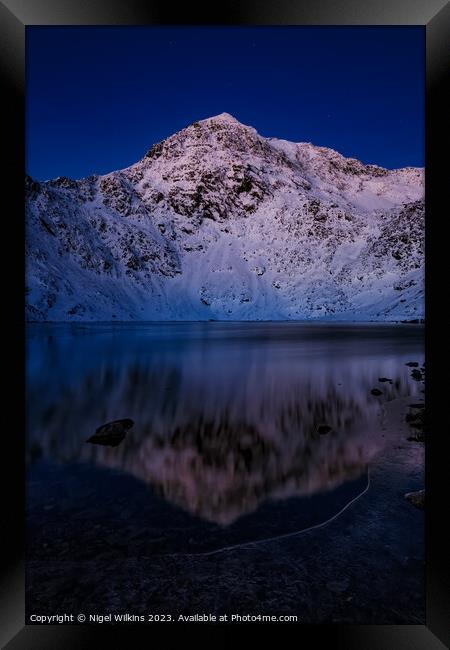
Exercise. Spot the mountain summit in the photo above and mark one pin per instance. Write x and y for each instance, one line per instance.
(218, 222)
(222, 117)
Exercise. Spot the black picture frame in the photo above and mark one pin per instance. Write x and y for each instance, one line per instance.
(15, 16)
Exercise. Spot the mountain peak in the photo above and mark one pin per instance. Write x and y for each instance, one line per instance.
(222, 117)
(219, 222)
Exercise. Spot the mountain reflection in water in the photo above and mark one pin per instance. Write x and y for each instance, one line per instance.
(226, 414)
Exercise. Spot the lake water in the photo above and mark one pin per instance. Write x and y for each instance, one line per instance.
(243, 432)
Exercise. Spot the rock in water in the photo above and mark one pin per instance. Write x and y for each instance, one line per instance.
(110, 440)
(323, 429)
(417, 421)
(376, 391)
(412, 364)
(417, 437)
(416, 498)
(111, 433)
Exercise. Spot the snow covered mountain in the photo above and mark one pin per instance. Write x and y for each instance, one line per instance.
(218, 222)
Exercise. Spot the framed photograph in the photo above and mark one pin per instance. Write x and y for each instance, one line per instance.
(228, 353)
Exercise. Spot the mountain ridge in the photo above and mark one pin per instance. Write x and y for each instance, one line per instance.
(218, 222)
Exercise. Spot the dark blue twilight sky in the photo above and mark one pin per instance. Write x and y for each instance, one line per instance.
(98, 98)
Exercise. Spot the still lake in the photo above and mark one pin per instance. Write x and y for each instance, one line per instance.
(243, 433)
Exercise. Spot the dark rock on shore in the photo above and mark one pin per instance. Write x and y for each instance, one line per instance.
(416, 375)
(111, 433)
(416, 498)
(376, 391)
(417, 437)
(416, 419)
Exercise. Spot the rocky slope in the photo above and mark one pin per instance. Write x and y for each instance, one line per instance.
(217, 222)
